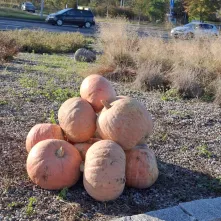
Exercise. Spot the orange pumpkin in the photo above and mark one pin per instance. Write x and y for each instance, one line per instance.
(83, 147)
(77, 119)
(104, 170)
(141, 167)
(54, 164)
(95, 88)
(42, 132)
(125, 121)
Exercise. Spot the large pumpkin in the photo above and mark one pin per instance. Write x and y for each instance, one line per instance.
(54, 164)
(104, 170)
(83, 147)
(42, 132)
(77, 119)
(125, 121)
(141, 167)
(95, 88)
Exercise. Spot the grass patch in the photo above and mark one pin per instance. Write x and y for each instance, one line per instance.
(17, 13)
(30, 207)
(203, 150)
(28, 41)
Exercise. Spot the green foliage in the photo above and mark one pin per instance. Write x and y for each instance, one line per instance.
(26, 82)
(3, 102)
(201, 9)
(15, 205)
(63, 193)
(56, 93)
(170, 95)
(29, 208)
(203, 150)
(52, 117)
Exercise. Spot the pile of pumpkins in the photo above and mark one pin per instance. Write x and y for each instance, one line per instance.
(99, 134)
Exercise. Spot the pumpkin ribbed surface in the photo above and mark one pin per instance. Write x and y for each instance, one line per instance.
(104, 170)
(141, 167)
(95, 88)
(54, 164)
(77, 119)
(126, 122)
(42, 132)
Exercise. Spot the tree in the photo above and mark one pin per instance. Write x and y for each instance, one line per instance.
(141, 7)
(201, 9)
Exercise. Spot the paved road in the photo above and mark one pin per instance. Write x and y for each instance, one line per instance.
(12, 24)
(9, 24)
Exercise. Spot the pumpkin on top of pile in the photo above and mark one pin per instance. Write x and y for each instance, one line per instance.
(100, 134)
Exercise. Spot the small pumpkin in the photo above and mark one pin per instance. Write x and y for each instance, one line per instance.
(83, 147)
(77, 119)
(125, 121)
(104, 170)
(42, 132)
(95, 88)
(141, 167)
(54, 164)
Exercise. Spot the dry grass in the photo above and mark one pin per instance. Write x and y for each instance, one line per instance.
(190, 66)
(40, 41)
(8, 48)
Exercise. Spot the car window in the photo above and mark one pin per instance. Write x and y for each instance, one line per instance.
(207, 26)
(87, 13)
(71, 12)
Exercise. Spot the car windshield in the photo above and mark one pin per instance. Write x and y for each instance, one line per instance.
(63, 11)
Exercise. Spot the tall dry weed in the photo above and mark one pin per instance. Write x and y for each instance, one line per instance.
(8, 48)
(188, 65)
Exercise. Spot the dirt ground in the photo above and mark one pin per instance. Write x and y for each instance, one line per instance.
(186, 140)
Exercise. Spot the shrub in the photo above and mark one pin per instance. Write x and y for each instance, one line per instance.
(41, 41)
(8, 48)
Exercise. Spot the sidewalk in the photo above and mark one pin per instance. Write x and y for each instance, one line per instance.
(198, 210)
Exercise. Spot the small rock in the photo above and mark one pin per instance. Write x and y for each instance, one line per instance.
(84, 55)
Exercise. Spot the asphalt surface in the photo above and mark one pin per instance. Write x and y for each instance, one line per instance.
(12, 24)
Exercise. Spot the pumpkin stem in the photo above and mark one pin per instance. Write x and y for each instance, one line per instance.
(106, 104)
(60, 152)
(82, 166)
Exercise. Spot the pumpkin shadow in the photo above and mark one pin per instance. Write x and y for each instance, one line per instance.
(175, 185)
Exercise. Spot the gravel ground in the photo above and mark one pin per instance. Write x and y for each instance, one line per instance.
(186, 140)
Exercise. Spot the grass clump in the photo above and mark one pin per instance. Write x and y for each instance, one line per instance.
(30, 207)
(40, 41)
(8, 48)
(188, 66)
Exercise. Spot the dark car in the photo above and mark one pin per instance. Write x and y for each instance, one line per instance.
(72, 16)
(28, 6)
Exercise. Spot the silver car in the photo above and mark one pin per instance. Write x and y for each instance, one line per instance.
(195, 29)
(28, 6)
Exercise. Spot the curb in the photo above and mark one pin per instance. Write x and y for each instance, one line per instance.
(198, 210)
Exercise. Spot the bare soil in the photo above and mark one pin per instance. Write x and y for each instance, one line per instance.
(186, 140)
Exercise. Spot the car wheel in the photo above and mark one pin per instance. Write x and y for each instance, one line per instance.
(87, 24)
(59, 22)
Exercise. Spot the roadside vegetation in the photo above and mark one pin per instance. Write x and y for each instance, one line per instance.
(18, 13)
(190, 68)
(40, 41)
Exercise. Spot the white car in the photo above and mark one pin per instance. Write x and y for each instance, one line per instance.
(195, 29)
